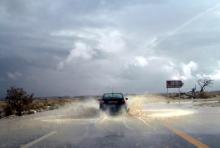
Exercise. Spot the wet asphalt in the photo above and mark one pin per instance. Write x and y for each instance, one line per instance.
(86, 127)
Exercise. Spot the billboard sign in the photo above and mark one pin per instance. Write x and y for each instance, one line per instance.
(174, 84)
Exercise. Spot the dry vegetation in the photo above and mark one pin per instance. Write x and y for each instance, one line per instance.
(39, 105)
(2, 104)
(19, 102)
(48, 104)
(203, 95)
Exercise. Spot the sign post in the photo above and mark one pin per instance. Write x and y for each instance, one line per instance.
(174, 84)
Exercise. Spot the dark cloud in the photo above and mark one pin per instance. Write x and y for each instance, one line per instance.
(76, 47)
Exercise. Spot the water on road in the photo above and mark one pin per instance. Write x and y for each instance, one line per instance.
(151, 122)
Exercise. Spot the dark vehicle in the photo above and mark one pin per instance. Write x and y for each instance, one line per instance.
(113, 102)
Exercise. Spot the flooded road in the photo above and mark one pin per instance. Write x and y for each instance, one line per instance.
(151, 122)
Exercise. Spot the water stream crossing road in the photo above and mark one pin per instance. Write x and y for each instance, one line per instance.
(158, 124)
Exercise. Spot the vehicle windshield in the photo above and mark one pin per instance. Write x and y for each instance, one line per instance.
(113, 96)
(109, 73)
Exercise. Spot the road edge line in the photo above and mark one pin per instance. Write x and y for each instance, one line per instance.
(38, 140)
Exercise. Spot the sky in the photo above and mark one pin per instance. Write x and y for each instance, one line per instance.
(88, 47)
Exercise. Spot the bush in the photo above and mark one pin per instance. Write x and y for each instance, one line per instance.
(17, 101)
(8, 110)
(203, 95)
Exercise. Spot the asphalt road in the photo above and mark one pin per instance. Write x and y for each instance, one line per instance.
(154, 124)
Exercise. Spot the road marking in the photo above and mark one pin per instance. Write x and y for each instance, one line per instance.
(181, 134)
(186, 137)
(147, 124)
(38, 140)
(78, 121)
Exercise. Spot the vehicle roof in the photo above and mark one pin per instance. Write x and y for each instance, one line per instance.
(113, 94)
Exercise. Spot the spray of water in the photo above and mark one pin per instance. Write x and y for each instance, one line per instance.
(76, 111)
(144, 107)
(150, 107)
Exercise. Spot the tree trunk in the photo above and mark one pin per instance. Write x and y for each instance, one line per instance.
(202, 89)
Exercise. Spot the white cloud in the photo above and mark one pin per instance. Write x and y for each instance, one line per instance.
(169, 67)
(107, 39)
(111, 41)
(215, 75)
(188, 69)
(140, 61)
(85, 33)
(14, 75)
(81, 51)
(92, 40)
(153, 42)
(181, 71)
(217, 13)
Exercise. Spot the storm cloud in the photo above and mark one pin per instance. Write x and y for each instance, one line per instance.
(82, 47)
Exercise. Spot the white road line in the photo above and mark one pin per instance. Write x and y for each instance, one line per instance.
(78, 121)
(147, 124)
(38, 140)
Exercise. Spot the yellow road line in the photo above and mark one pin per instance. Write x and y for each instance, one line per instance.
(38, 140)
(186, 137)
(179, 133)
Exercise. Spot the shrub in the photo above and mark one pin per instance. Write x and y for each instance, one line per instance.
(17, 101)
(203, 95)
(8, 111)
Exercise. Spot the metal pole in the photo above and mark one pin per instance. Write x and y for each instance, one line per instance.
(179, 95)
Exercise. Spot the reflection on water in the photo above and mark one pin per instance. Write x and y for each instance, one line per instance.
(165, 113)
(153, 106)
